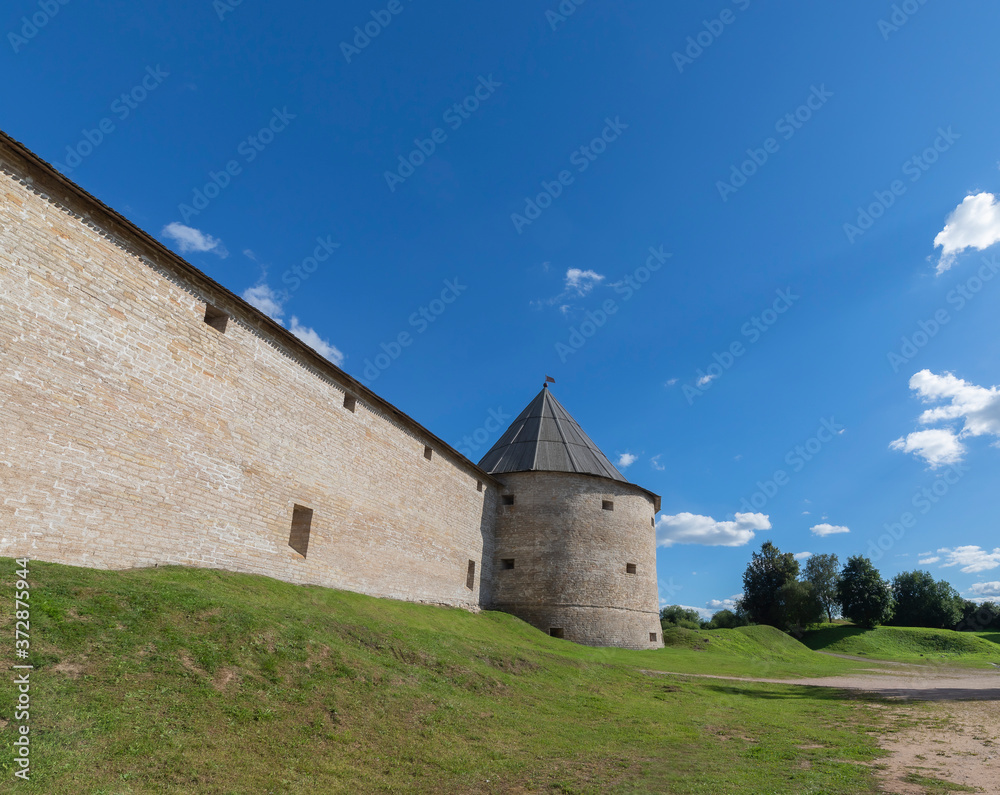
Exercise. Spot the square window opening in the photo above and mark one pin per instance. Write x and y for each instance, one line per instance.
(479, 485)
(470, 577)
(556, 632)
(507, 499)
(216, 318)
(428, 452)
(350, 402)
(630, 568)
(298, 538)
(507, 563)
(652, 637)
(608, 505)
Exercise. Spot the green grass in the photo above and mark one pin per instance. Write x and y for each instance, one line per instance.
(183, 680)
(908, 644)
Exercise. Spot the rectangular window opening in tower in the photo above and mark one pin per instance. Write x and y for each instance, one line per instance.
(470, 577)
(608, 505)
(556, 632)
(652, 637)
(507, 499)
(507, 563)
(298, 538)
(216, 318)
(350, 402)
(630, 568)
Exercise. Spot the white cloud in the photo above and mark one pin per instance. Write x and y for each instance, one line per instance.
(707, 379)
(268, 301)
(626, 460)
(189, 239)
(828, 529)
(975, 223)
(986, 589)
(671, 382)
(689, 528)
(272, 304)
(928, 561)
(724, 604)
(317, 343)
(582, 282)
(971, 558)
(655, 462)
(802, 555)
(976, 407)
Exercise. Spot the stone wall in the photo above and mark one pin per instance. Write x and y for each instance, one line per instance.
(564, 553)
(135, 433)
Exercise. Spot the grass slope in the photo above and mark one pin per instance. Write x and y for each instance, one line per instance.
(183, 680)
(908, 644)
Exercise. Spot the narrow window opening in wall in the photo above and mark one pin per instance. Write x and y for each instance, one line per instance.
(652, 522)
(630, 568)
(556, 632)
(216, 318)
(507, 563)
(470, 577)
(652, 637)
(428, 452)
(507, 499)
(350, 402)
(608, 505)
(479, 485)
(298, 538)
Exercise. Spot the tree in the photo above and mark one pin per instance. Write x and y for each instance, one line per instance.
(800, 606)
(865, 598)
(726, 619)
(979, 617)
(768, 571)
(677, 616)
(921, 602)
(823, 571)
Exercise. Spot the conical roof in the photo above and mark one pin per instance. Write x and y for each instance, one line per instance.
(544, 437)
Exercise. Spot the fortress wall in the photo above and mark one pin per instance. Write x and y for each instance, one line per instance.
(571, 558)
(136, 434)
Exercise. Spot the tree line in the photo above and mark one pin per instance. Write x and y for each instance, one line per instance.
(778, 592)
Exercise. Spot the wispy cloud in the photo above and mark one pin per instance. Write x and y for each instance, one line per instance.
(626, 460)
(581, 282)
(972, 559)
(828, 529)
(188, 239)
(272, 303)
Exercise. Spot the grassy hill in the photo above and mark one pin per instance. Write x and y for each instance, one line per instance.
(908, 644)
(183, 680)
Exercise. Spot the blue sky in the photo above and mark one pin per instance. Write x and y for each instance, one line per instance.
(504, 185)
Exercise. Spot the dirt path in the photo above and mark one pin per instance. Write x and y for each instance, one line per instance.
(956, 740)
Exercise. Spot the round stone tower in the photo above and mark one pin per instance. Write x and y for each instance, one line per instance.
(575, 549)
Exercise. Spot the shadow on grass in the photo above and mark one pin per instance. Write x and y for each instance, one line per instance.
(819, 639)
(784, 692)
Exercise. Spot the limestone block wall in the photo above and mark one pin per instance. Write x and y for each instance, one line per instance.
(577, 553)
(135, 433)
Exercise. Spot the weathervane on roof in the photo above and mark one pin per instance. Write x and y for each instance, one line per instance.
(548, 380)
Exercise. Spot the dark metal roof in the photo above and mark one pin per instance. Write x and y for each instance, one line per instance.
(544, 437)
